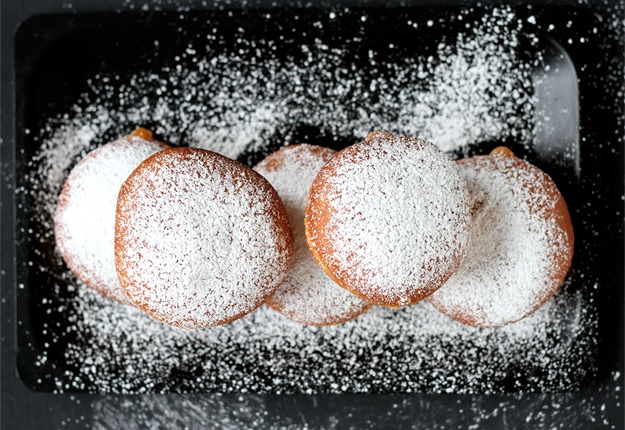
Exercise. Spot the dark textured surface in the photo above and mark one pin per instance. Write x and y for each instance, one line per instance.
(598, 405)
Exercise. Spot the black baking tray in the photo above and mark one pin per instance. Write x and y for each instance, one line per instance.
(55, 53)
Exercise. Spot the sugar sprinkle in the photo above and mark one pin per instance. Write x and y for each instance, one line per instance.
(471, 90)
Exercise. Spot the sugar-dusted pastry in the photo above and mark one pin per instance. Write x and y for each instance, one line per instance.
(84, 222)
(521, 243)
(200, 239)
(388, 219)
(307, 295)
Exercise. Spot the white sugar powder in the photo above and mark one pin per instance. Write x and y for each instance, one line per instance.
(85, 218)
(510, 263)
(199, 241)
(469, 90)
(307, 294)
(394, 220)
(244, 127)
(410, 349)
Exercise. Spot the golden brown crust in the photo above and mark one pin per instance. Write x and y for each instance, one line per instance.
(137, 288)
(306, 296)
(144, 134)
(317, 217)
(502, 151)
(320, 214)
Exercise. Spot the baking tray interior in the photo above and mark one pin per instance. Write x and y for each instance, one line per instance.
(69, 64)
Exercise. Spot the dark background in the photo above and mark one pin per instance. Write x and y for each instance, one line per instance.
(598, 405)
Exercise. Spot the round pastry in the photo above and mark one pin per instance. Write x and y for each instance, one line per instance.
(521, 243)
(307, 294)
(84, 222)
(200, 239)
(388, 219)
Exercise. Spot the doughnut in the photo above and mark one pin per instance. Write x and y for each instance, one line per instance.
(200, 239)
(307, 294)
(84, 221)
(521, 243)
(388, 219)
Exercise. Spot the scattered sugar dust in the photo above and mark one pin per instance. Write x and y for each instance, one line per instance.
(472, 89)
(534, 410)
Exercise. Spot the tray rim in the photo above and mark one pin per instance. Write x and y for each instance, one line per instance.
(14, 392)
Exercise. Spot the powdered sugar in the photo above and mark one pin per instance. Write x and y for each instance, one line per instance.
(512, 261)
(68, 140)
(411, 349)
(389, 217)
(200, 240)
(258, 103)
(459, 105)
(307, 294)
(85, 216)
